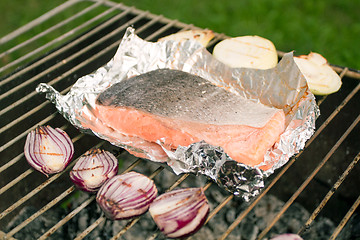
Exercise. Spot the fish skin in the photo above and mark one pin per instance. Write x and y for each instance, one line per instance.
(180, 95)
(148, 107)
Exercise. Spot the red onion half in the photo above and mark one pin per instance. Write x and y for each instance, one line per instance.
(127, 195)
(181, 212)
(93, 168)
(48, 150)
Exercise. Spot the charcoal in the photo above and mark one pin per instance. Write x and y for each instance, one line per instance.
(252, 225)
(39, 226)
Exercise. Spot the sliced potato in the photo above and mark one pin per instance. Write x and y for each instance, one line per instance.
(202, 36)
(320, 77)
(247, 51)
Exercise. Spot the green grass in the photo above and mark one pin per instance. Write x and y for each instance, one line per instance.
(329, 27)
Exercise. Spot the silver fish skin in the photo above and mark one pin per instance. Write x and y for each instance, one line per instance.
(180, 95)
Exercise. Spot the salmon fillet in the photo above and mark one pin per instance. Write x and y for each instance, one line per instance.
(174, 108)
(134, 145)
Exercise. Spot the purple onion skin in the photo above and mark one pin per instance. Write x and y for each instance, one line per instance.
(127, 195)
(48, 150)
(201, 223)
(188, 204)
(106, 166)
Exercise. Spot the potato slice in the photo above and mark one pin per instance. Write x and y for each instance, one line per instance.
(202, 36)
(320, 77)
(247, 51)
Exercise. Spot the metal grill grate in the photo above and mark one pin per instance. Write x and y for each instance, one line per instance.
(325, 170)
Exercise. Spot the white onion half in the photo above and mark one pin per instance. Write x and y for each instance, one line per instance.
(181, 212)
(202, 36)
(48, 150)
(287, 236)
(246, 51)
(320, 77)
(126, 195)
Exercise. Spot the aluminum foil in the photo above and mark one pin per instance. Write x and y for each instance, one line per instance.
(282, 87)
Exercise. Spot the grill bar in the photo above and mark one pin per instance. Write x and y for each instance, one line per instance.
(18, 157)
(45, 208)
(2, 148)
(219, 207)
(63, 62)
(49, 30)
(16, 180)
(58, 39)
(90, 228)
(133, 221)
(329, 194)
(23, 117)
(67, 218)
(345, 219)
(163, 20)
(37, 21)
(27, 172)
(55, 81)
(342, 74)
(72, 44)
(351, 73)
(159, 26)
(101, 219)
(31, 194)
(78, 209)
(290, 162)
(310, 177)
(66, 74)
(39, 188)
(41, 211)
(56, 53)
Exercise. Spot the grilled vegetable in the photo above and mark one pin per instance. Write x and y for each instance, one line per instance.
(180, 213)
(246, 51)
(48, 150)
(127, 195)
(320, 77)
(287, 236)
(93, 168)
(202, 36)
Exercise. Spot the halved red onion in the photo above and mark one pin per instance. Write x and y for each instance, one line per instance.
(93, 168)
(48, 150)
(181, 212)
(126, 195)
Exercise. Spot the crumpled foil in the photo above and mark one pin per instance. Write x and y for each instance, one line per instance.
(282, 87)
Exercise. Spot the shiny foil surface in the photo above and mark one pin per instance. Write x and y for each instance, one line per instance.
(281, 87)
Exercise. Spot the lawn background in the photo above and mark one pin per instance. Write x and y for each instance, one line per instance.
(329, 27)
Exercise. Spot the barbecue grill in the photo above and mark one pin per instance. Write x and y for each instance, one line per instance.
(323, 178)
